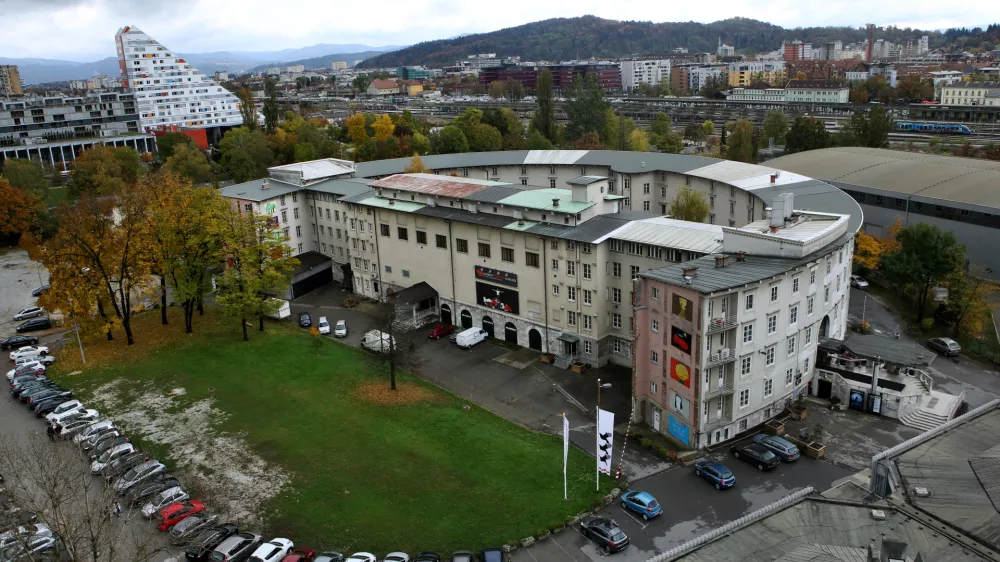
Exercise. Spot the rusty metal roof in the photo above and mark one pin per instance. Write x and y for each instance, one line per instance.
(446, 186)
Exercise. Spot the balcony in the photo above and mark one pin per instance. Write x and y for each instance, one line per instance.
(718, 422)
(720, 324)
(726, 389)
(721, 357)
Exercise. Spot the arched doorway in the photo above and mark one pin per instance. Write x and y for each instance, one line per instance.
(466, 319)
(535, 339)
(824, 327)
(445, 314)
(510, 332)
(488, 326)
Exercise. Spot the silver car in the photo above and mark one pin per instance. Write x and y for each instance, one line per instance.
(92, 429)
(137, 474)
(21, 533)
(163, 499)
(189, 527)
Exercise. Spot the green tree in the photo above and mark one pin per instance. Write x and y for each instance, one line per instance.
(662, 136)
(270, 108)
(806, 133)
(304, 152)
(689, 205)
(248, 111)
(166, 143)
(871, 130)
(708, 128)
(245, 155)
(26, 175)
(586, 109)
(713, 85)
(104, 170)
(775, 126)
(360, 83)
(420, 144)
(451, 140)
(496, 90)
(536, 141)
(189, 162)
(484, 138)
(740, 144)
(694, 132)
(926, 256)
(509, 125)
(544, 120)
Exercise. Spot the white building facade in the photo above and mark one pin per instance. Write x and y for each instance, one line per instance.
(971, 93)
(654, 72)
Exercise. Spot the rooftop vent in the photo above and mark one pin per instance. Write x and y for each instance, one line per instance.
(690, 272)
(555, 202)
(921, 492)
(520, 222)
(878, 515)
(392, 202)
(721, 261)
(265, 185)
(741, 256)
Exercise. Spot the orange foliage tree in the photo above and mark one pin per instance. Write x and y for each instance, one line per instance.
(18, 209)
(869, 249)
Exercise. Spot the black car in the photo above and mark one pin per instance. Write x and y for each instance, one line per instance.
(605, 532)
(305, 320)
(203, 545)
(121, 465)
(15, 342)
(428, 557)
(49, 393)
(42, 323)
(28, 386)
(757, 455)
(46, 406)
(38, 292)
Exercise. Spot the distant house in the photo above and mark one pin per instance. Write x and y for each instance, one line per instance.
(410, 88)
(383, 88)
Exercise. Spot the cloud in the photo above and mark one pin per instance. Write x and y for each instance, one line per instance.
(84, 29)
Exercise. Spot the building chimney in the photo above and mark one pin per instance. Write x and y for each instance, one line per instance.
(721, 260)
(555, 202)
(774, 229)
(392, 202)
(265, 185)
(774, 178)
(520, 222)
(741, 256)
(690, 271)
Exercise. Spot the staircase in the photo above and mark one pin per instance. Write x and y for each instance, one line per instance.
(563, 362)
(923, 420)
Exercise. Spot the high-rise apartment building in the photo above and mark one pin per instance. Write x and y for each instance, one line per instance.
(796, 50)
(644, 71)
(10, 80)
(168, 90)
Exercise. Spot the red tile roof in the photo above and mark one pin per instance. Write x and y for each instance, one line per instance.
(447, 186)
(385, 84)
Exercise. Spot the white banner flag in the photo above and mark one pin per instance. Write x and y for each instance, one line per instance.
(565, 452)
(605, 436)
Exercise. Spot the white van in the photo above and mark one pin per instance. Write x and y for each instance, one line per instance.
(282, 309)
(377, 341)
(468, 338)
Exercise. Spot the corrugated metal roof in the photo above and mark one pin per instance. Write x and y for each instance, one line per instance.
(357, 198)
(494, 194)
(253, 191)
(746, 176)
(380, 168)
(670, 233)
(432, 184)
(383, 203)
(342, 187)
(318, 169)
(589, 231)
(888, 349)
(554, 156)
(459, 215)
(586, 180)
(542, 199)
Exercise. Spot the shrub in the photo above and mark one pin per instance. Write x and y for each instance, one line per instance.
(645, 443)
(926, 324)
(661, 451)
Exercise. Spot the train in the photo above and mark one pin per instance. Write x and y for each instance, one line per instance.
(945, 128)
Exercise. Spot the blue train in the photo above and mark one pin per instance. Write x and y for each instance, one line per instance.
(946, 128)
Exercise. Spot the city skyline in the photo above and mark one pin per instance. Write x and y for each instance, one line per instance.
(83, 31)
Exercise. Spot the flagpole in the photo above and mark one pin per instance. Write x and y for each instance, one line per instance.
(565, 450)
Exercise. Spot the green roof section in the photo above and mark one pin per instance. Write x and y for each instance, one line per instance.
(542, 199)
(613, 197)
(525, 225)
(397, 204)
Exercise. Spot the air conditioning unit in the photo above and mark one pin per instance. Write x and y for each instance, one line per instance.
(713, 357)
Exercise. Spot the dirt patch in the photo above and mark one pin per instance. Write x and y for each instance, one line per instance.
(405, 393)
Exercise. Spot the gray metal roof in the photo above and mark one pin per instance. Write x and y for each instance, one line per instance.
(710, 279)
(459, 215)
(889, 350)
(815, 195)
(493, 194)
(444, 161)
(588, 231)
(586, 180)
(638, 162)
(359, 197)
(342, 186)
(253, 190)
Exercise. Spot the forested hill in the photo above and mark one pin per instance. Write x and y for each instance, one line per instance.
(588, 36)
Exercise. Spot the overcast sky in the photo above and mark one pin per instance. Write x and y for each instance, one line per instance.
(83, 30)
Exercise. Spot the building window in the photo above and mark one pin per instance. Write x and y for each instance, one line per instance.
(809, 305)
(298, 232)
(812, 276)
(616, 269)
(555, 265)
(748, 333)
(295, 213)
(524, 181)
(570, 267)
(555, 290)
(571, 318)
(531, 259)
(586, 271)
(745, 365)
(791, 346)
(284, 216)
(507, 254)
(406, 272)
(809, 334)
(571, 294)
(616, 320)
(749, 301)
(654, 356)
(635, 272)
(772, 323)
(554, 245)
(795, 285)
(588, 322)
(654, 293)
(421, 237)
(655, 325)
(461, 246)
(645, 189)
(645, 205)
(616, 295)
(402, 233)
(744, 398)
(300, 247)
(769, 356)
(788, 376)
(587, 296)
(441, 240)
(552, 183)
(484, 250)
(282, 200)
(826, 293)
(287, 234)
(588, 347)
(768, 387)
(384, 228)
(774, 293)
(388, 269)
(652, 387)
(793, 314)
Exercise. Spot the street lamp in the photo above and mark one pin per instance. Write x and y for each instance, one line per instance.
(597, 434)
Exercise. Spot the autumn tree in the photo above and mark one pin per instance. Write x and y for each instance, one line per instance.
(695, 132)
(383, 127)
(166, 143)
(416, 166)
(496, 89)
(689, 205)
(248, 111)
(105, 170)
(245, 154)
(397, 355)
(190, 162)
(869, 249)
(18, 209)
(968, 304)
(357, 129)
(544, 119)
(926, 256)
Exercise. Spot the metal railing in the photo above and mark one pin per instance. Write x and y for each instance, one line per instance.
(720, 421)
(719, 324)
(726, 388)
(721, 356)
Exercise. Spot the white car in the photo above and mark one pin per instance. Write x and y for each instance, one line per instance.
(396, 557)
(29, 312)
(163, 499)
(111, 454)
(74, 415)
(21, 533)
(273, 550)
(859, 282)
(361, 557)
(340, 330)
(30, 360)
(67, 406)
(324, 325)
(31, 351)
(93, 429)
(30, 368)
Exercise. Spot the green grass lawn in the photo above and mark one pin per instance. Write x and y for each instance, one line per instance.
(424, 475)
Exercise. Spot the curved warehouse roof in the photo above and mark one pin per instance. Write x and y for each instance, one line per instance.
(962, 180)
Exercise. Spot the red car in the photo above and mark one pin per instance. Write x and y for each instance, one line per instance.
(300, 555)
(177, 512)
(441, 330)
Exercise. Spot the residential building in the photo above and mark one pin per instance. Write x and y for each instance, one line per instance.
(295, 69)
(652, 71)
(680, 78)
(55, 130)
(749, 72)
(942, 78)
(413, 73)
(737, 330)
(863, 71)
(221, 76)
(816, 91)
(699, 76)
(10, 80)
(410, 88)
(168, 90)
(338, 65)
(796, 50)
(831, 50)
(971, 93)
(777, 95)
(608, 74)
(383, 88)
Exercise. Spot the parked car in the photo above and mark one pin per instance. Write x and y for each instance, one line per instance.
(41, 392)
(46, 406)
(107, 442)
(491, 555)
(463, 556)
(111, 454)
(642, 503)
(757, 455)
(92, 429)
(716, 473)
(340, 330)
(191, 526)
(38, 292)
(396, 557)
(330, 557)
(173, 514)
(440, 330)
(785, 449)
(305, 320)
(15, 342)
(72, 428)
(235, 548)
(68, 406)
(470, 337)
(324, 325)
(31, 368)
(29, 351)
(137, 475)
(369, 557)
(164, 498)
(42, 323)
(202, 546)
(88, 444)
(377, 341)
(28, 550)
(45, 360)
(859, 282)
(30, 312)
(275, 549)
(19, 534)
(300, 555)
(66, 417)
(605, 532)
(139, 495)
(945, 346)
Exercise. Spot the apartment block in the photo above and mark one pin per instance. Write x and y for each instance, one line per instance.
(743, 74)
(644, 71)
(10, 80)
(971, 93)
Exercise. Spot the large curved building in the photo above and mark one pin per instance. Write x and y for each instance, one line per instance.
(545, 249)
(961, 195)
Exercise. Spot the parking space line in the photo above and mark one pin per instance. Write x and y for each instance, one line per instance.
(528, 550)
(553, 537)
(570, 398)
(641, 523)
